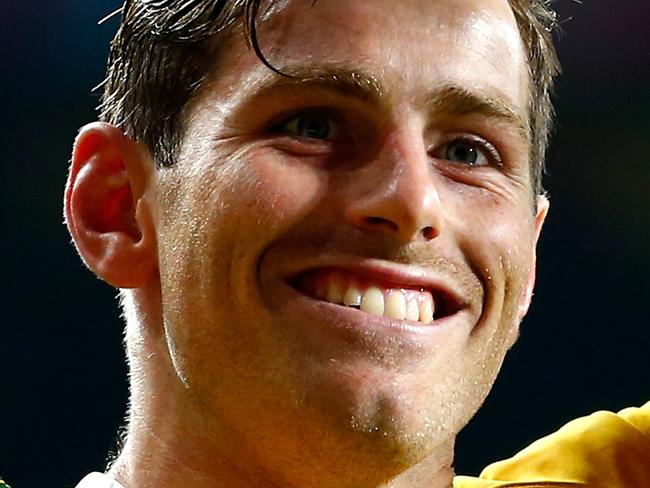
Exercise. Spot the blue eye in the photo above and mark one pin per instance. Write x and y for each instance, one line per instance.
(470, 153)
(310, 126)
(461, 152)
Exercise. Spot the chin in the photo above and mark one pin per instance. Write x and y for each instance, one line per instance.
(388, 421)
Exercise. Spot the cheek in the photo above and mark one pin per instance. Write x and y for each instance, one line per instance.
(220, 228)
(496, 236)
(223, 219)
(496, 240)
(281, 191)
(246, 202)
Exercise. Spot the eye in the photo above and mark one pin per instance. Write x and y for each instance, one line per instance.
(310, 125)
(470, 152)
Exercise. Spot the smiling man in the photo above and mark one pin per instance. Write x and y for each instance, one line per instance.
(322, 217)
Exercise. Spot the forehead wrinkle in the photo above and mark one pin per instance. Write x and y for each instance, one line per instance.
(456, 100)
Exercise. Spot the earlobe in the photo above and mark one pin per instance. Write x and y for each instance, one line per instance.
(542, 206)
(105, 206)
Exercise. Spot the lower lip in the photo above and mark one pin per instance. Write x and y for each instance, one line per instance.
(353, 325)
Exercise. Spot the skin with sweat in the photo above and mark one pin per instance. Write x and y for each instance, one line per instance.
(241, 379)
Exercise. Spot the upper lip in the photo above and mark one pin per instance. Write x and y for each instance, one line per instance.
(398, 276)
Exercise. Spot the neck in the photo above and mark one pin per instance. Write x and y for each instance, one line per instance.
(170, 441)
(157, 465)
(163, 449)
(155, 457)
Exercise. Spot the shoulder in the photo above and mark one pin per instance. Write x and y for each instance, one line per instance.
(98, 480)
(604, 449)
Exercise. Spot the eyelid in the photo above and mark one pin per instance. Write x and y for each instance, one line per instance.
(490, 151)
(278, 124)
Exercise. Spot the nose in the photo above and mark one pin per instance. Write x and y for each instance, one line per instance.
(399, 196)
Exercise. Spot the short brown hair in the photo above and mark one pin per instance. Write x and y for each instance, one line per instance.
(164, 49)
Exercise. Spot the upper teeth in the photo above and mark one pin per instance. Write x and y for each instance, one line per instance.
(390, 302)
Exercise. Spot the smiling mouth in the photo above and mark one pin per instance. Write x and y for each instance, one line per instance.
(422, 305)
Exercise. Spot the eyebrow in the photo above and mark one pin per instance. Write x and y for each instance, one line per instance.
(457, 101)
(448, 99)
(349, 83)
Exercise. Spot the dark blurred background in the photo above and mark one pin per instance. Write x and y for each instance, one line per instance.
(585, 345)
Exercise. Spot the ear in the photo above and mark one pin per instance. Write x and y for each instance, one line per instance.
(542, 210)
(105, 206)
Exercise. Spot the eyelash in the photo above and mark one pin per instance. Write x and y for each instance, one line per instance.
(491, 153)
(279, 124)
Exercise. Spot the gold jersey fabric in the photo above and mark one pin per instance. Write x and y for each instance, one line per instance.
(603, 450)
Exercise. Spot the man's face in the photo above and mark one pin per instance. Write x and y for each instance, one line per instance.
(392, 171)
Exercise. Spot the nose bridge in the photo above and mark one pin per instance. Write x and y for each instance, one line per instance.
(403, 199)
(406, 160)
(413, 188)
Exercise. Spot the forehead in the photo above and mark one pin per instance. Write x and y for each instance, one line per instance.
(409, 45)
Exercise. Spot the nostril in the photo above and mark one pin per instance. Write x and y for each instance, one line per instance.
(382, 222)
(429, 233)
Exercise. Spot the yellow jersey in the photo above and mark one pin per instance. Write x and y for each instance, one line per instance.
(602, 450)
